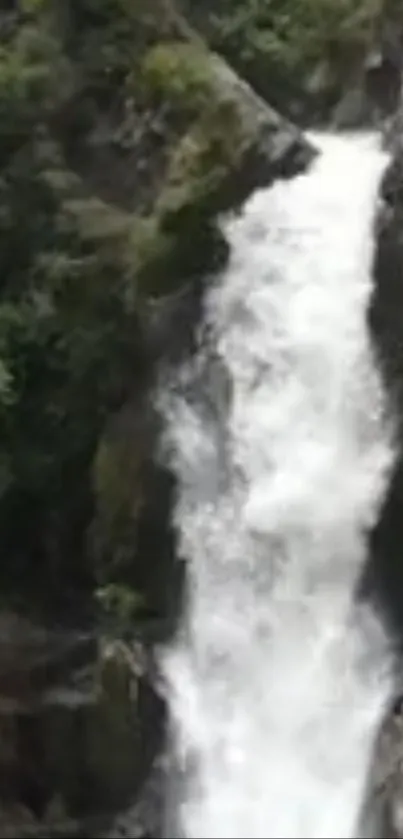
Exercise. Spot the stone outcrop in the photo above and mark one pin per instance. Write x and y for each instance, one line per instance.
(80, 725)
(184, 139)
(382, 813)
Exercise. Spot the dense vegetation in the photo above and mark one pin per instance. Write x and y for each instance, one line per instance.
(76, 263)
(113, 143)
(299, 54)
(68, 333)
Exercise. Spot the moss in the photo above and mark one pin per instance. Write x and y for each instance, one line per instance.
(199, 166)
(98, 222)
(118, 487)
(151, 248)
(34, 6)
(179, 72)
(181, 238)
(163, 259)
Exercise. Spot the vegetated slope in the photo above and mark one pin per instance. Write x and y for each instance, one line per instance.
(121, 137)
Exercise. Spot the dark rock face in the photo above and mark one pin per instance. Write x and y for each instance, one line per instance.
(145, 818)
(80, 726)
(382, 809)
(383, 579)
(385, 573)
(374, 98)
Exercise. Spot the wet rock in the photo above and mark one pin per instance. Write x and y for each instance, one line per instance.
(384, 576)
(132, 535)
(383, 808)
(144, 819)
(373, 98)
(76, 744)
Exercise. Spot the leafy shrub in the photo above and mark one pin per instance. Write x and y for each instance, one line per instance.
(180, 72)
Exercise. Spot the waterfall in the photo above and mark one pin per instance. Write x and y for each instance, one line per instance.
(278, 677)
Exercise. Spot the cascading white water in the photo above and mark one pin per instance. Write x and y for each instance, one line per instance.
(278, 678)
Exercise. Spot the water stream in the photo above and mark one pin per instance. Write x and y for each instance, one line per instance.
(278, 678)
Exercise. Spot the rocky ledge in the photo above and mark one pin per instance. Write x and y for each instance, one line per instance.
(80, 727)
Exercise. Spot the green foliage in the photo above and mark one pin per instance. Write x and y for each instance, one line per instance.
(33, 6)
(76, 264)
(179, 72)
(120, 603)
(30, 76)
(179, 242)
(66, 335)
(181, 239)
(105, 40)
(62, 330)
(208, 153)
(281, 44)
(152, 248)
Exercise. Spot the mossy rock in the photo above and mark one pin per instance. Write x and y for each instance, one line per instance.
(118, 485)
(167, 255)
(209, 153)
(180, 72)
(229, 143)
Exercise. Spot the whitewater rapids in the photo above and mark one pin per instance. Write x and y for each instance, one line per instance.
(278, 678)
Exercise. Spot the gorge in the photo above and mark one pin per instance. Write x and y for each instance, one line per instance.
(201, 407)
(279, 678)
